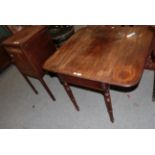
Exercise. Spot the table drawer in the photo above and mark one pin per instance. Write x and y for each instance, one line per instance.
(12, 50)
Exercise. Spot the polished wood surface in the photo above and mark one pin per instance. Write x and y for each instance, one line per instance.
(110, 54)
(98, 56)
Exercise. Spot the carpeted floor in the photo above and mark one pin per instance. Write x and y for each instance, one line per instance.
(21, 108)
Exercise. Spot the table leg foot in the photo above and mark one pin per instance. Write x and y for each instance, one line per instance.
(107, 98)
(47, 89)
(70, 94)
(30, 84)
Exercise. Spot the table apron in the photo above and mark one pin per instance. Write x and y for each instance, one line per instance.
(86, 83)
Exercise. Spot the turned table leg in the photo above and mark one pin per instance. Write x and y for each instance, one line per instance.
(107, 99)
(70, 94)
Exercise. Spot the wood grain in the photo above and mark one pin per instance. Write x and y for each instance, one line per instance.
(105, 54)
